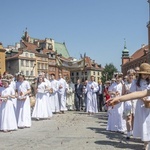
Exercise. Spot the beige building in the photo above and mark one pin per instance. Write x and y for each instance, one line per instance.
(45, 52)
(21, 61)
(2, 59)
(91, 68)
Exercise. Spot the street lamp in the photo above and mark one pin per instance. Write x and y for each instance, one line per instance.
(148, 26)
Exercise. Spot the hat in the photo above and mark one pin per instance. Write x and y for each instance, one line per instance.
(5, 80)
(8, 76)
(113, 79)
(144, 68)
(107, 82)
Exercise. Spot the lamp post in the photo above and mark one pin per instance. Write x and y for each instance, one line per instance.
(148, 26)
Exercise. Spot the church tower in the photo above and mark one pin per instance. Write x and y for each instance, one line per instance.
(125, 54)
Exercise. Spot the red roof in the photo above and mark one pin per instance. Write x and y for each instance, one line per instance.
(138, 54)
(91, 64)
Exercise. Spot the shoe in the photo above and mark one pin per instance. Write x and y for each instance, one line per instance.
(146, 146)
(127, 138)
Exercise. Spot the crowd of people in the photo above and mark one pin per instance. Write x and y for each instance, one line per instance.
(21, 101)
(130, 113)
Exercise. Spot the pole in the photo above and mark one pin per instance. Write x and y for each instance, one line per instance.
(148, 26)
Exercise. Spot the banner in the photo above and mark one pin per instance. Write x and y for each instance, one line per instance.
(70, 64)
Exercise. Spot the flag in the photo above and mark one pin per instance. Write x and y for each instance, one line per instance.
(70, 64)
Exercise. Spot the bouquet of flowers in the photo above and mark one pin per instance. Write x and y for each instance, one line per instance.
(21, 96)
(51, 91)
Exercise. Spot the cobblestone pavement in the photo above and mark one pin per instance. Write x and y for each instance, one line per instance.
(69, 131)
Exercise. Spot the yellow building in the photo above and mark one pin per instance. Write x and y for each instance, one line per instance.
(2, 59)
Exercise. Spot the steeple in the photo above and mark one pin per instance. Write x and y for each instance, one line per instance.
(125, 52)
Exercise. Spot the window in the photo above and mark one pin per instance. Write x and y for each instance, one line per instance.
(94, 73)
(26, 54)
(22, 62)
(85, 73)
(31, 55)
(42, 66)
(77, 73)
(27, 63)
(39, 66)
(72, 74)
(31, 63)
(27, 73)
(98, 73)
(31, 73)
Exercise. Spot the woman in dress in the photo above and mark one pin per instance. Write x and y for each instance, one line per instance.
(41, 111)
(23, 102)
(7, 112)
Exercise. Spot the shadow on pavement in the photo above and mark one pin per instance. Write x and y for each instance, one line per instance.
(115, 139)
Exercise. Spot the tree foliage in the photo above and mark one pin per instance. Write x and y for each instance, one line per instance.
(107, 73)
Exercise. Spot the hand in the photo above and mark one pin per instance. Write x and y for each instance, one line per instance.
(113, 101)
(60, 87)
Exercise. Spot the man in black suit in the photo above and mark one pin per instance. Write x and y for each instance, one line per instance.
(100, 94)
(78, 95)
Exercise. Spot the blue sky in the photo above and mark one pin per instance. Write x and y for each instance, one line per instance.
(97, 27)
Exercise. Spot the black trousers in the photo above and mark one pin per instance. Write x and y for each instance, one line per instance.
(78, 102)
(100, 101)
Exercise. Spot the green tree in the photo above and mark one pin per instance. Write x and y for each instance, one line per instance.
(108, 72)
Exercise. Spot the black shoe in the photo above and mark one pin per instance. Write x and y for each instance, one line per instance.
(127, 138)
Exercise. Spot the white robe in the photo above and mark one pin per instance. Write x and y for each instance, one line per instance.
(141, 127)
(48, 98)
(62, 94)
(40, 109)
(91, 97)
(54, 96)
(7, 111)
(14, 100)
(23, 106)
(70, 96)
(115, 115)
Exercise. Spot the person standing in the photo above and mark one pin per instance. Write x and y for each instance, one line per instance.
(100, 99)
(8, 120)
(54, 94)
(78, 95)
(129, 111)
(41, 110)
(142, 112)
(70, 95)
(62, 86)
(23, 90)
(115, 115)
(91, 90)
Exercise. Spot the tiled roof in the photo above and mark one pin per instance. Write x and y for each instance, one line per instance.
(90, 64)
(14, 56)
(61, 49)
(30, 46)
(139, 53)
